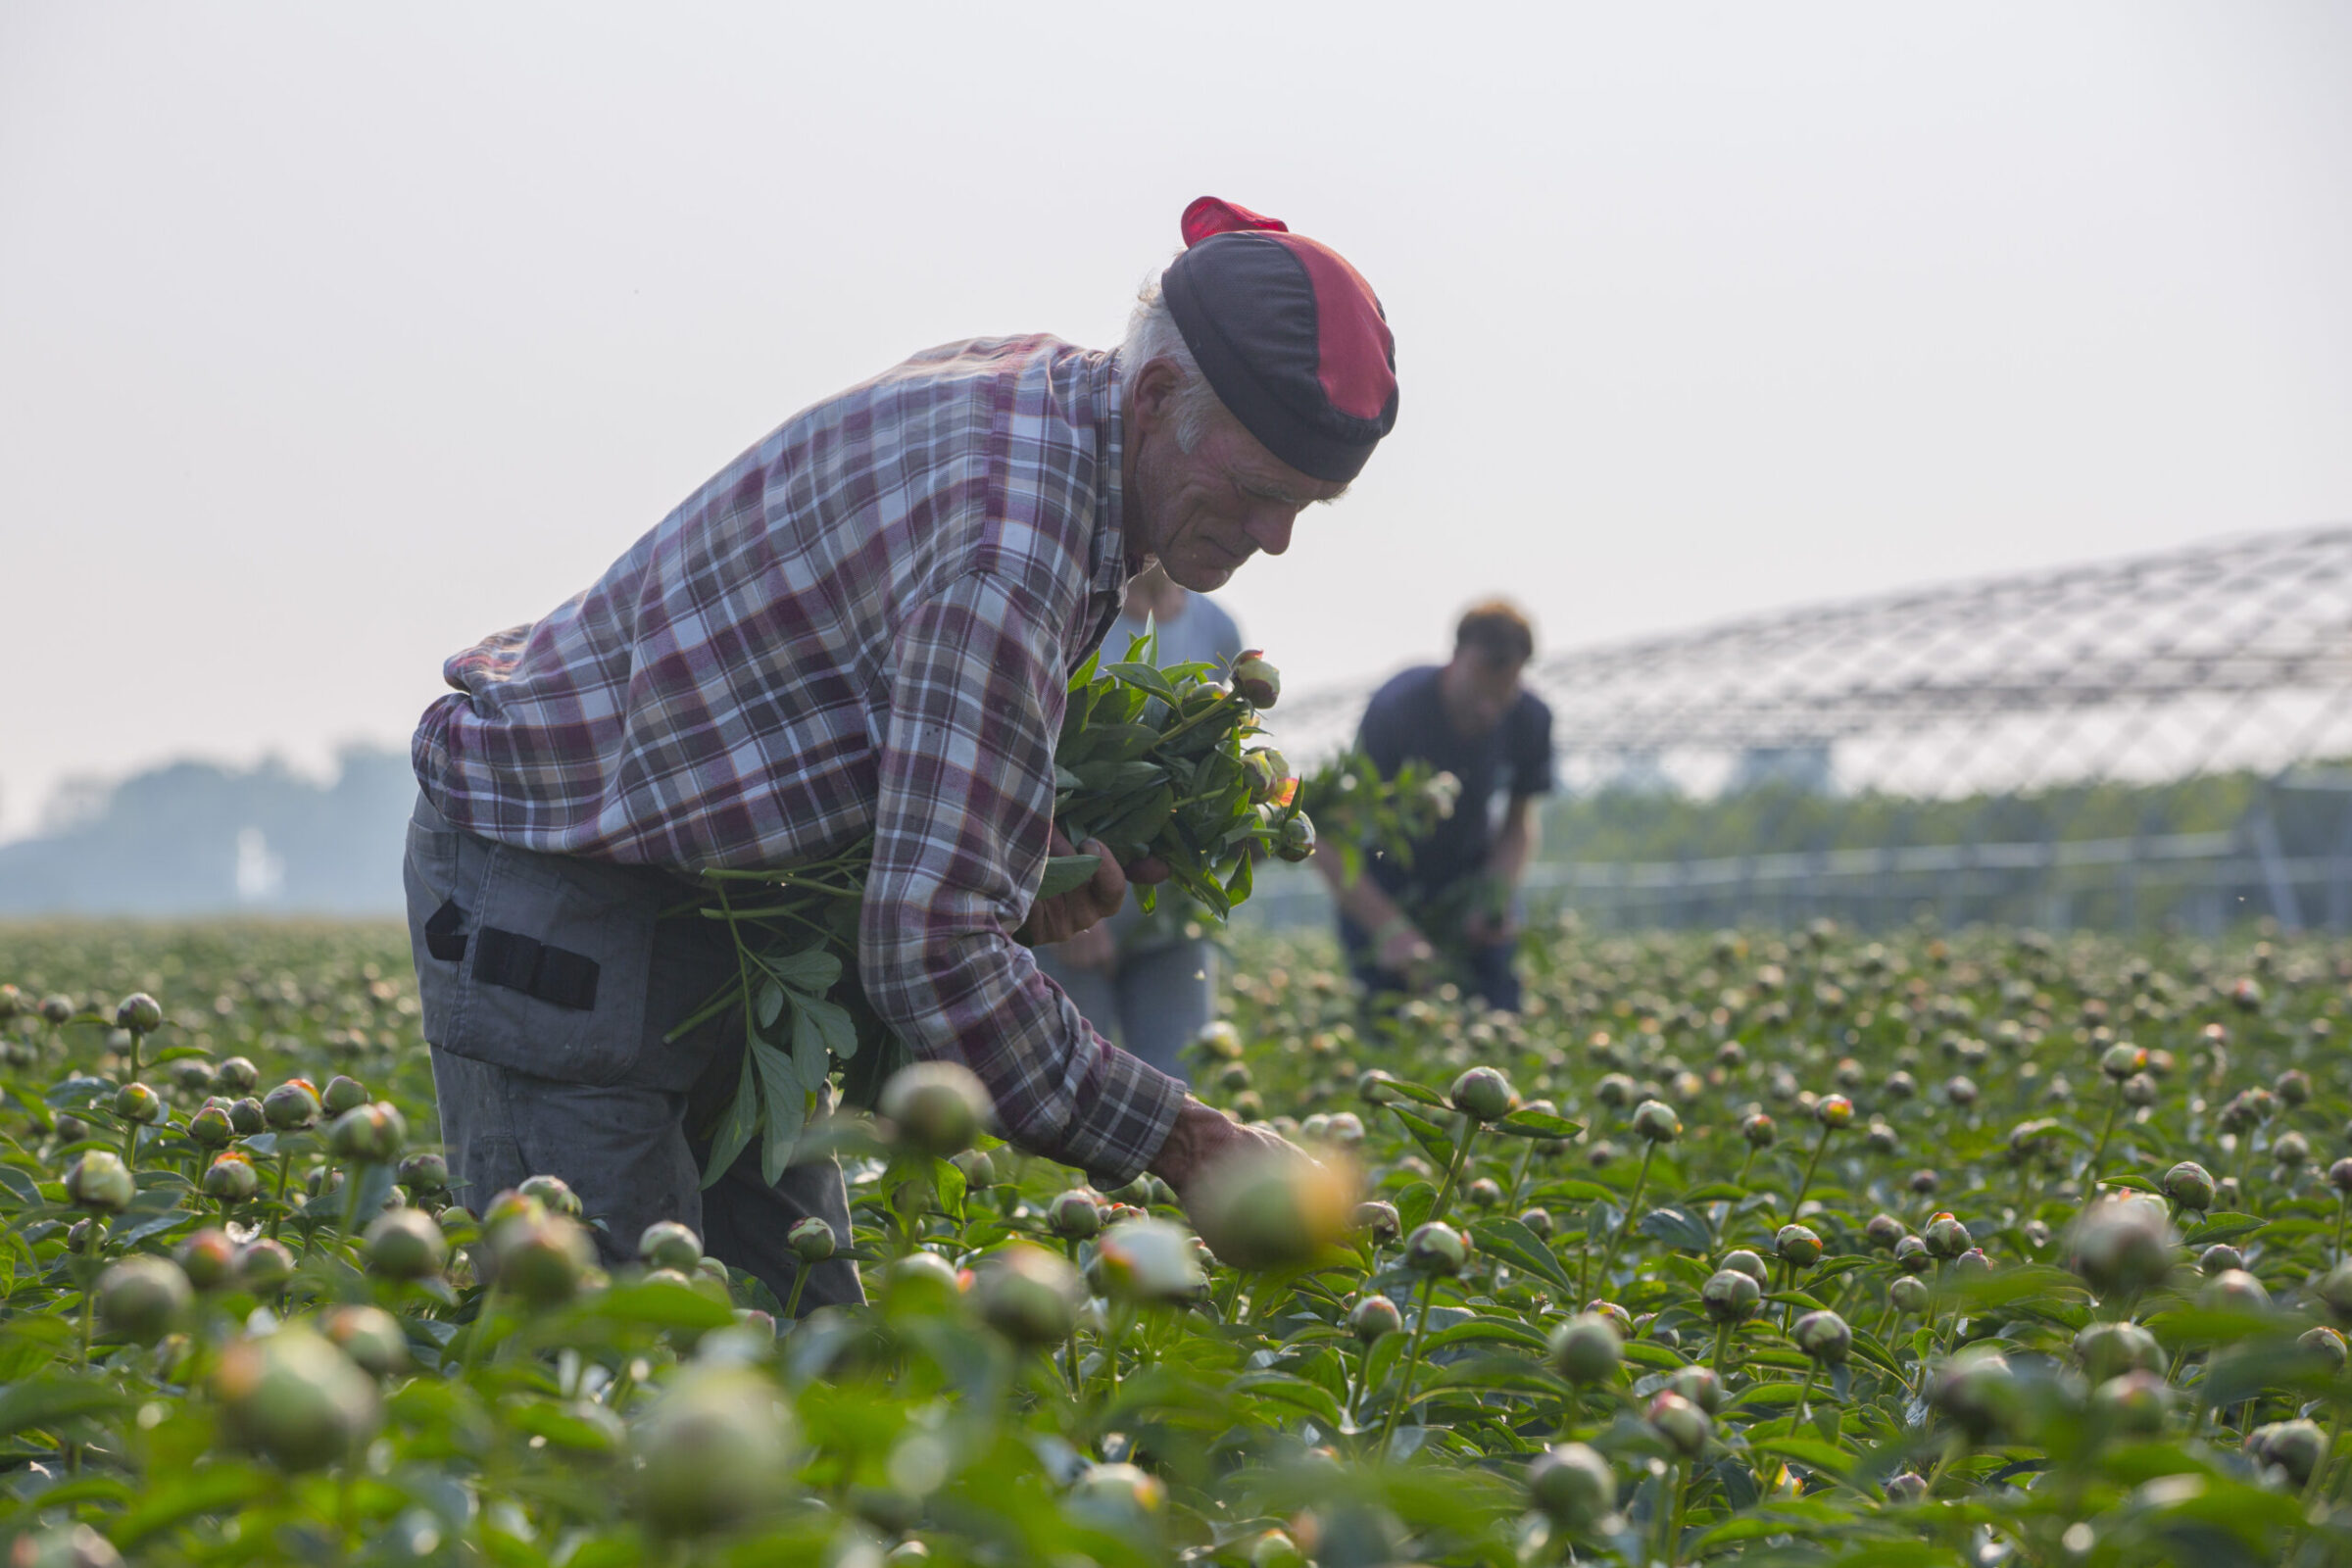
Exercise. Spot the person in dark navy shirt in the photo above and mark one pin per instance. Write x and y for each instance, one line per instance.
(1450, 910)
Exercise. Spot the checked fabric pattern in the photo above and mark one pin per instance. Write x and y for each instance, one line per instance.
(867, 622)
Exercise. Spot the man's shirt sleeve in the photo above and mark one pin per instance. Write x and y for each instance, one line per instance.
(1532, 768)
(960, 833)
(1381, 734)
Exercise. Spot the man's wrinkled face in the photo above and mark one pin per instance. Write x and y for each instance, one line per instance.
(1205, 512)
(1479, 690)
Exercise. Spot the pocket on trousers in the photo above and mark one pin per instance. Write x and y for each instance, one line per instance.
(577, 912)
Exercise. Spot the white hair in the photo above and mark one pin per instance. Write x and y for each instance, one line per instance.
(1152, 334)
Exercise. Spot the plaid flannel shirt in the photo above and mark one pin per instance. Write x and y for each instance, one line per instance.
(867, 622)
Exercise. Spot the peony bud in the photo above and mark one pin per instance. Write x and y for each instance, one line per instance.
(1586, 1349)
(1731, 1296)
(406, 1244)
(939, 1108)
(1946, 1236)
(813, 1240)
(1797, 1245)
(1028, 1295)
(1825, 1337)
(296, 1400)
(231, 1177)
(264, 1266)
(1977, 1391)
(1484, 1093)
(1437, 1250)
(371, 1336)
(368, 1134)
(139, 1297)
(716, 1447)
(1656, 1121)
(425, 1173)
(210, 1127)
(2122, 1245)
(1683, 1425)
(137, 1102)
(1573, 1484)
(1373, 1317)
(291, 1105)
(2190, 1185)
(666, 1244)
(99, 1180)
(208, 1258)
(1254, 680)
(1076, 1214)
(1273, 1211)
(1150, 1260)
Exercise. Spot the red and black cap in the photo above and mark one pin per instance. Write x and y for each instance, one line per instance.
(1293, 340)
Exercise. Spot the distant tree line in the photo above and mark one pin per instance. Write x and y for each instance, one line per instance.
(197, 838)
(1616, 825)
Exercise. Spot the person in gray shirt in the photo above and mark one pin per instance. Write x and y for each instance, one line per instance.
(1148, 982)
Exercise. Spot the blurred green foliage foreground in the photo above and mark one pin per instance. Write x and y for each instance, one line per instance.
(1809, 1248)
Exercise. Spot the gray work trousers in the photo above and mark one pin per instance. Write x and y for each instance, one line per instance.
(1151, 1003)
(555, 1064)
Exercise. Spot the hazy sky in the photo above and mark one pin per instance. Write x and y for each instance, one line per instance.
(333, 337)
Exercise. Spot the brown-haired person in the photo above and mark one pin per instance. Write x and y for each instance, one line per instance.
(1453, 909)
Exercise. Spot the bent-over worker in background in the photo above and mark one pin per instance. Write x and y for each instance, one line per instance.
(864, 624)
(1455, 908)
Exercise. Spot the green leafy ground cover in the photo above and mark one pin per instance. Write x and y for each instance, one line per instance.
(1952, 1302)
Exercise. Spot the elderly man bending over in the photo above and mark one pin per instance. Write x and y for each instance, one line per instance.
(865, 623)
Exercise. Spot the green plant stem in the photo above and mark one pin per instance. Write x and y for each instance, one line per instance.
(285, 1164)
(1405, 1373)
(1453, 1171)
(1956, 1447)
(1527, 1157)
(1804, 1398)
(89, 1292)
(1233, 1291)
(1820, 1146)
(1745, 1165)
(351, 1199)
(485, 1314)
(1670, 1512)
(1121, 1318)
(800, 1283)
(1632, 1203)
(2098, 1155)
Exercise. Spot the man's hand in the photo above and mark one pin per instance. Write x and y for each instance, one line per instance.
(1060, 918)
(1203, 1139)
(1063, 916)
(1489, 930)
(1091, 949)
(1490, 922)
(1399, 948)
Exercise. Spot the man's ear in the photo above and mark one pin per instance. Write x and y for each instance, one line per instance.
(1152, 391)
